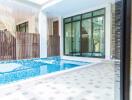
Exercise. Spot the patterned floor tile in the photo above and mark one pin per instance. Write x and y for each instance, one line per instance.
(92, 83)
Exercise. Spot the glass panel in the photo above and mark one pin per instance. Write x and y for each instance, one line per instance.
(27, 27)
(98, 36)
(68, 38)
(86, 44)
(76, 18)
(22, 28)
(99, 12)
(76, 38)
(87, 15)
(67, 20)
(17, 28)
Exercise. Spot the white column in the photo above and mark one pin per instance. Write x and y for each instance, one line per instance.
(61, 35)
(108, 32)
(43, 25)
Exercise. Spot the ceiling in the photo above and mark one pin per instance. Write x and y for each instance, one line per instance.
(39, 2)
(20, 10)
(67, 7)
(23, 9)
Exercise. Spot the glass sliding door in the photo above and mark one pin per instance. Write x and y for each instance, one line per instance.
(76, 38)
(68, 39)
(86, 38)
(85, 35)
(98, 36)
(76, 35)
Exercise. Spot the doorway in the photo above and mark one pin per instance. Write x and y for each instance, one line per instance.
(54, 40)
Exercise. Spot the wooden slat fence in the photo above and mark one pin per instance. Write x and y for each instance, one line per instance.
(28, 45)
(53, 45)
(21, 46)
(7, 46)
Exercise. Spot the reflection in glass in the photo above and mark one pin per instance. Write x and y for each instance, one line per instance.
(76, 38)
(86, 44)
(85, 35)
(68, 38)
(98, 35)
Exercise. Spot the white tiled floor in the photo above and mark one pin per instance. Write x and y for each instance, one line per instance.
(92, 83)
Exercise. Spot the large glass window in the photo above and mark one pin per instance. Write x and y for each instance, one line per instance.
(86, 34)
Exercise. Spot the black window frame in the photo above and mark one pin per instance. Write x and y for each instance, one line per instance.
(81, 29)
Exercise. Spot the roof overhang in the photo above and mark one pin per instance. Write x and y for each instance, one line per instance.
(69, 7)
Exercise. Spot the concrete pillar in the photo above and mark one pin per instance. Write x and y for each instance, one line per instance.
(43, 25)
(61, 35)
(108, 32)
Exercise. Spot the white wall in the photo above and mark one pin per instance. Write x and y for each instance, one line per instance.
(61, 35)
(33, 25)
(2, 26)
(43, 30)
(9, 23)
(108, 33)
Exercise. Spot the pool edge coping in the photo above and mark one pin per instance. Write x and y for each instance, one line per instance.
(50, 75)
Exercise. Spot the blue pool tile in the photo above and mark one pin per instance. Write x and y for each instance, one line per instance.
(36, 67)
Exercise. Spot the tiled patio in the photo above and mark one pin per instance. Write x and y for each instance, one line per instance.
(92, 83)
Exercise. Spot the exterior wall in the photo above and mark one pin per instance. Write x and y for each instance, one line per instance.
(33, 25)
(45, 30)
(7, 22)
(53, 45)
(107, 28)
(116, 30)
(2, 26)
(45, 27)
(50, 24)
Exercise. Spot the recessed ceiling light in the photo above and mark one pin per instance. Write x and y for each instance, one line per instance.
(40, 2)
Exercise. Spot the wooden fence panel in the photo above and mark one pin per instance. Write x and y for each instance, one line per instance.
(7, 46)
(53, 45)
(23, 46)
(28, 45)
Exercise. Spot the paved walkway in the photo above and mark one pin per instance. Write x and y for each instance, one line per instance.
(92, 83)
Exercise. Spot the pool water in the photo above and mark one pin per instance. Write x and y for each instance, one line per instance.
(22, 69)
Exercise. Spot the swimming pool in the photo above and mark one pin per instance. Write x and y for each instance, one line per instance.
(11, 71)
